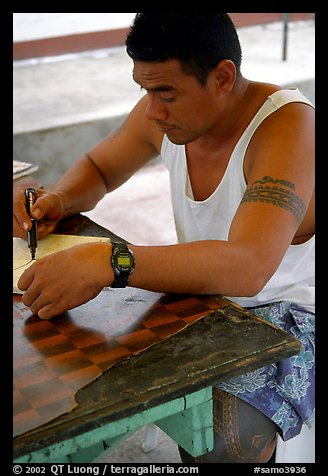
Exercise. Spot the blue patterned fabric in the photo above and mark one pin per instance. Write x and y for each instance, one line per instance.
(283, 391)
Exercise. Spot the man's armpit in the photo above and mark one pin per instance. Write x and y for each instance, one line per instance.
(278, 196)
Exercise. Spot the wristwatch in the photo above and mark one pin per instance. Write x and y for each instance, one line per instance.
(123, 264)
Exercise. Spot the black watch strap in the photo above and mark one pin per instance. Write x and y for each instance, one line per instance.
(121, 280)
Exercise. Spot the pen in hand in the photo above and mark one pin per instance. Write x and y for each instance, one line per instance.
(32, 232)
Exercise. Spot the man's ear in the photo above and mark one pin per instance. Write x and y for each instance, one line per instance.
(225, 75)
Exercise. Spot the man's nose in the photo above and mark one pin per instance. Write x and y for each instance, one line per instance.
(155, 109)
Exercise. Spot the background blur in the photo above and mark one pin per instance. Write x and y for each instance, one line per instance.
(42, 34)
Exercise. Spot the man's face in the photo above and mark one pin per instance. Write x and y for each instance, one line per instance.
(180, 106)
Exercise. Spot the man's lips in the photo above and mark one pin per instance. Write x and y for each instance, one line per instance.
(165, 127)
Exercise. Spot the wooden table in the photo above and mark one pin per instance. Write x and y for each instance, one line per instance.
(168, 384)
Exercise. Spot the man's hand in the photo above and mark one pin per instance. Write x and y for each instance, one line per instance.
(48, 209)
(64, 280)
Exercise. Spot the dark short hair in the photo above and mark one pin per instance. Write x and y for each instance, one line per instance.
(198, 40)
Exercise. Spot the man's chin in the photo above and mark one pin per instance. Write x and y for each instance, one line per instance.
(179, 138)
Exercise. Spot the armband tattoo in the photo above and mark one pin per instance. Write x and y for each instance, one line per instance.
(276, 195)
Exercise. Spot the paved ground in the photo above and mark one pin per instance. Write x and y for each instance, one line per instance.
(140, 210)
(131, 450)
(52, 95)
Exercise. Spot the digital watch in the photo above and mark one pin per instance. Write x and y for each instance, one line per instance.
(123, 264)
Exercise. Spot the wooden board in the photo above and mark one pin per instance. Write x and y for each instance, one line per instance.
(54, 358)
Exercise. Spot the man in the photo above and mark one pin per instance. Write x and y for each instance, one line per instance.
(241, 160)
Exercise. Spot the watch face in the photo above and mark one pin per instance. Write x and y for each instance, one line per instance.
(124, 262)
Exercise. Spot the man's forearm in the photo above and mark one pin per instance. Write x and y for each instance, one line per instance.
(81, 187)
(203, 267)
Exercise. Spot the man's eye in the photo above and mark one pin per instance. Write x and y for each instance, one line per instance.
(168, 99)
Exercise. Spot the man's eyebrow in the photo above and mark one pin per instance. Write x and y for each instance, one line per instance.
(159, 88)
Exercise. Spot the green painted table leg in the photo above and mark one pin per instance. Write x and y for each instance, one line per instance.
(192, 428)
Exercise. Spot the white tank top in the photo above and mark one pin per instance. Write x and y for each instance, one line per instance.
(210, 219)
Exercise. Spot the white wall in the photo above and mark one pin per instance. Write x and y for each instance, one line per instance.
(33, 26)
